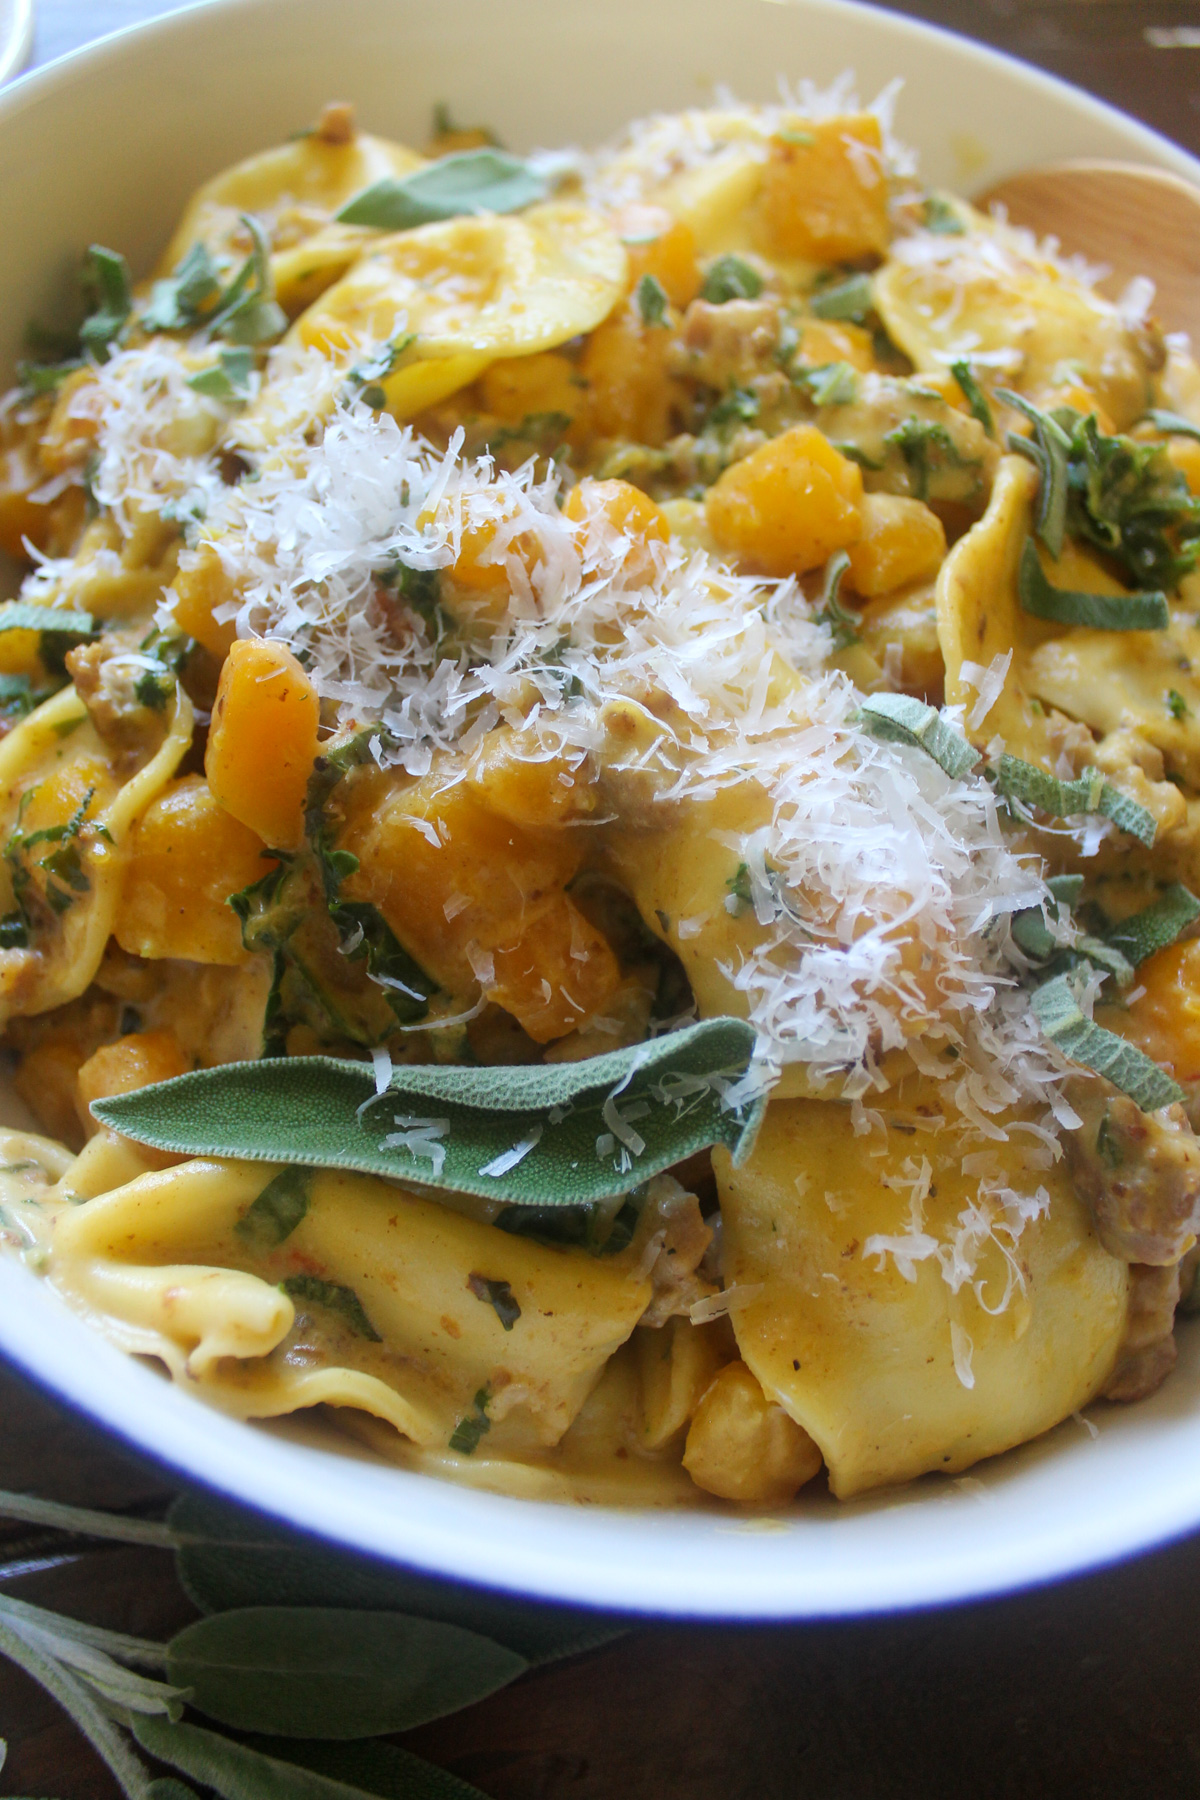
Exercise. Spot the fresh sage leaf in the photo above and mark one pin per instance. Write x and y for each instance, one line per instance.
(49, 621)
(842, 624)
(559, 1135)
(277, 1211)
(473, 1426)
(939, 216)
(1057, 1011)
(106, 279)
(1174, 423)
(974, 396)
(472, 181)
(168, 1788)
(731, 278)
(905, 720)
(322, 1672)
(229, 377)
(83, 1521)
(830, 384)
(652, 301)
(1104, 612)
(228, 1557)
(237, 1772)
(312, 1290)
(380, 1769)
(1018, 780)
(1049, 450)
(1157, 925)
(852, 300)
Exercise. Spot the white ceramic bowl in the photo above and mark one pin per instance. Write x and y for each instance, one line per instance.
(105, 146)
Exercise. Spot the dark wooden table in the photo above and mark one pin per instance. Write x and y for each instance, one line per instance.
(1086, 1691)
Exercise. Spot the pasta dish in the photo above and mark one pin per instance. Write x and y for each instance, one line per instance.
(600, 774)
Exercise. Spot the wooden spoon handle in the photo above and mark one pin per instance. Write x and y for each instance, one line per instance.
(1137, 221)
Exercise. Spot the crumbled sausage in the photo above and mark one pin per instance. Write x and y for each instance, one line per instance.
(1147, 1354)
(1138, 1174)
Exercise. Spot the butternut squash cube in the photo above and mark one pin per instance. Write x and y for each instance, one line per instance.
(263, 741)
(742, 1447)
(197, 591)
(625, 509)
(825, 200)
(788, 505)
(187, 856)
(661, 246)
(902, 541)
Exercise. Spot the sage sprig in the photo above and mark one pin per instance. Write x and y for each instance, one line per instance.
(1058, 1012)
(472, 181)
(559, 1135)
(1146, 610)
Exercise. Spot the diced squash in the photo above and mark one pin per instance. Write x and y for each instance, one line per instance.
(50, 525)
(522, 387)
(659, 245)
(787, 506)
(626, 509)
(516, 777)
(559, 972)
(197, 591)
(263, 741)
(827, 341)
(629, 392)
(902, 541)
(187, 856)
(1164, 1021)
(132, 1062)
(742, 1447)
(826, 199)
(71, 432)
(45, 1080)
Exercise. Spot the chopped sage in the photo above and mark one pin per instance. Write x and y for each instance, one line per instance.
(485, 180)
(851, 300)
(940, 216)
(277, 1211)
(229, 377)
(473, 1425)
(499, 1296)
(555, 1135)
(106, 279)
(906, 720)
(1104, 612)
(731, 278)
(842, 624)
(1083, 1041)
(311, 1290)
(1048, 450)
(1173, 423)
(1156, 926)
(974, 396)
(652, 300)
(1087, 793)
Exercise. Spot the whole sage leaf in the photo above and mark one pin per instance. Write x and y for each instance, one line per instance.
(235, 1771)
(472, 181)
(229, 1557)
(382, 1769)
(326, 1672)
(558, 1135)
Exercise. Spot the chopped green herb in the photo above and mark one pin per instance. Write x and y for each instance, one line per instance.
(472, 181)
(1157, 925)
(791, 134)
(1083, 1041)
(852, 300)
(1088, 793)
(229, 377)
(366, 377)
(731, 278)
(940, 216)
(1103, 612)
(107, 283)
(543, 429)
(652, 300)
(842, 624)
(184, 300)
(443, 126)
(498, 1295)
(312, 1291)
(974, 396)
(739, 404)
(926, 447)
(905, 720)
(467, 1433)
(1177, 706)
(1173, 423)
(830, 384)
(853, 454)
(740, 896)
(44, 378)
(1048, 450)
(277, 1211)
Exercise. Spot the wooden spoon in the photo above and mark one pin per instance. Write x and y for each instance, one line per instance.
(1138, 221)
